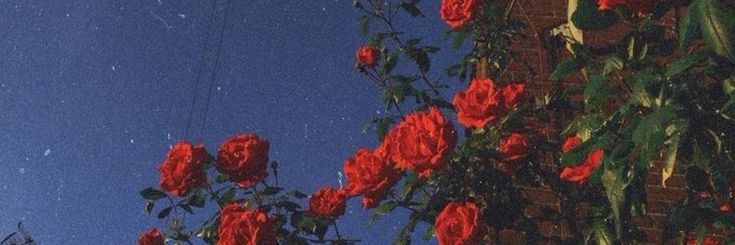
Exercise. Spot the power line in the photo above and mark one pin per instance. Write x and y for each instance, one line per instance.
(200, 68)
(213, 76)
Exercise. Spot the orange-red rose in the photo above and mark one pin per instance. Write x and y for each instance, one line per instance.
(241, 225)
(367, 56)
(581, 172)
(244, 159)
(480, 104)
(514, 147)
(183, 168)
(151, 237)
(708, 240)
(327, 202)
(370, 173)
(571, 143)
(421, 142)
(458, 224)
(641, 6)
(513, 94)
(459, 13)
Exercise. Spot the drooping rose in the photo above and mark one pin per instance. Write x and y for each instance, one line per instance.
(581, 172)
(513, 94)
(370, 173)
(327, 202)
(241, 225)
(571, 143)
(459, 13)
(458, 224)
(244, 159)
(708, 240)
(151, 237)
(421, 142)
(367, 55)
(183, 168)
(640, 6)
(480, 104)
(514, 147)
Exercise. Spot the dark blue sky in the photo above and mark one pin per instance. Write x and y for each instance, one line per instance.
(93, 92)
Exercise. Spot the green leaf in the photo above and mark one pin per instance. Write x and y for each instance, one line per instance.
(614, 182)
(390, 62)
(364, 24)
(683, 64)
(650, 134)
(567, 67)
(152, 194)
(221, 178)
(412, 9)
(613, 63)
(588, 17)
(429, 233)
(674, 132)
(385, 207)
(596, 93)
(689, 27)
(600, 229)
(228, 196)
(717, 23)
(164, 212)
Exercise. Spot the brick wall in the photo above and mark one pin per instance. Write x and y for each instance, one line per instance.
(532, 63)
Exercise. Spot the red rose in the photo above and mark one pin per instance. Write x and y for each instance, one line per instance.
(581, 172)
(641, 6)
(370, 173)
(327, 202)
(727, 207)
(571, 143)
(244, 159)
(708, 240)
(513, 94)
(152, 237)
(367, 56)
(458, 13)
(183, 168)
(458, 223)
(422, 142)
(514, 147)
(240, 225)
(479, 104)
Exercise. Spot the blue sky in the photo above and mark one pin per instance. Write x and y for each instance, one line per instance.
(93, 92)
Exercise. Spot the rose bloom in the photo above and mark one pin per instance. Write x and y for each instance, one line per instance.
(183, 168)
(708, 240)
(370, 173)
(480, 104)
(244, 159)
(327, 202)
(421, 142)
(458, 13)
(571, 143)
(151, 237)
(367, 56)
(641, 6)
(727, 207)
(240, 225)
(581, 173)
(514, 147)
(513, 94)
(458, 224)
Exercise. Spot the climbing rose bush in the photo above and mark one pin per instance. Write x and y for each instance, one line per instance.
(244, 159)
(151, 237)
(422, 142)
(459, 13)
(183, 168)
(458, 223)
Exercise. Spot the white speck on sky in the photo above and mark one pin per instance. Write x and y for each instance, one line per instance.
(47, 152)
(132, 141)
